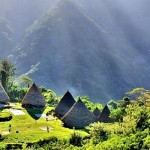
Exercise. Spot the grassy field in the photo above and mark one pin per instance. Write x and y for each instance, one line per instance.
(27, 128)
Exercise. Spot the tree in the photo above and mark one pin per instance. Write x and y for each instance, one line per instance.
(112, 104)
(16, 93)
(117, 114)
(141, 95)
(7, 70)
(49, 96)
(25, 80)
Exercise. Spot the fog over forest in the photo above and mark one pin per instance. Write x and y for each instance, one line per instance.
(98, 48)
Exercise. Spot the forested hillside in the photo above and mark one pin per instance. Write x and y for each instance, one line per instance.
(6, 37)
(99, 48)
(81, 55)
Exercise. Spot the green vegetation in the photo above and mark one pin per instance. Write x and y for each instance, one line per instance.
(16, 93)
(91, 106)
(31, 130)
(26, 81)
(25, 129)
(130, 131)
(7, 70)
(49, 96)
(5, 116)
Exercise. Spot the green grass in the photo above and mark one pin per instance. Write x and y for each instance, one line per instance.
(30, 129)
(5, 115)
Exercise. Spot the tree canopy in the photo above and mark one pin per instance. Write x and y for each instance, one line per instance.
(7, 70)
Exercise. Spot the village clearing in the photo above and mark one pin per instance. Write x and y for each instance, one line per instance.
(26, 127)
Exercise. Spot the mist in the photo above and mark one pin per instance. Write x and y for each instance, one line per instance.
(126, 24)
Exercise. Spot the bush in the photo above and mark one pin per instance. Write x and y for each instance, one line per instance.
(75, 139)
(49, 96)
(16, 93)
(112, 105)
(146, 144)
(13, 146)
(51, 143)
(98, 133)
(117, 114)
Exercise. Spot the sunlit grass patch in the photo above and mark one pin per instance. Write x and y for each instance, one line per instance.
(25, 128)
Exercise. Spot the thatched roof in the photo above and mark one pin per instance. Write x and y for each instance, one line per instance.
(104, 117)
(4, 98)
(34, 98)
(105, 111)
(97, 112)
(65, 104)
(78, 116)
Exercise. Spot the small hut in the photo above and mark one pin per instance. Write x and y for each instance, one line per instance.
(104, 116)
(78, 116)
(34, 98)
(4, 98)
(65, 104)
(97, 112)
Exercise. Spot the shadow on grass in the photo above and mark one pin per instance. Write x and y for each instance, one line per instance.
(35, 112)
(5, 116)
(4, 106)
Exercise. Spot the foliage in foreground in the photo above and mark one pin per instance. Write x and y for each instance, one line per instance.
(132, 133)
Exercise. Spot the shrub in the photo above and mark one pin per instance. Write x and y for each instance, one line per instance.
(112, 104)
(98, 133)
(146, 144)
(49, 96)
(49, 144)
(13, 146)
(16, 93)
(75, 139)
(117, 114)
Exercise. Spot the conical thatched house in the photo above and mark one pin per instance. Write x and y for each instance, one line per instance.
(34, 98)
(4, 98)
(104, 117)
(97, 112)
(65, 104)
(78, 116)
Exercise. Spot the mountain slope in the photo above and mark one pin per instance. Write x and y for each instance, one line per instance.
(128, 21)
(6, 38)
(77, 54)
(23, 13)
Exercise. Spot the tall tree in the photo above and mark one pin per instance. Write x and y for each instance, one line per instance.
(7, 70)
